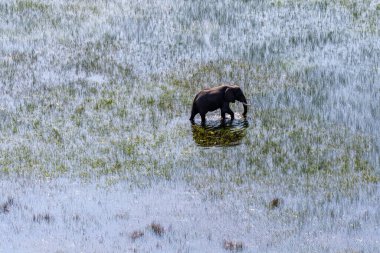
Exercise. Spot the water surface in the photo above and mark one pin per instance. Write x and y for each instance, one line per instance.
(218, 133)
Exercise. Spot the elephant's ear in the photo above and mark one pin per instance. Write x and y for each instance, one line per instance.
(229, 95)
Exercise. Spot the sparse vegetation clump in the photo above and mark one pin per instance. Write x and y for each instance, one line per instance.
(136, 235)
(275, 203)
(6, 206)
(232, 245)
(39, 218)
(157, 229)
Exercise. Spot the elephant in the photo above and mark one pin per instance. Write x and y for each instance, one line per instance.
(215, 98)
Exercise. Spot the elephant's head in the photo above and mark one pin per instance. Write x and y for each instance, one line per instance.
(233, 93)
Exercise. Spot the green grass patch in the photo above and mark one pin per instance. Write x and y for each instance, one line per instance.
(31, 5)
(221, 136)
(104, 103)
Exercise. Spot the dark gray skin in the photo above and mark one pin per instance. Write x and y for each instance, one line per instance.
(218, 98)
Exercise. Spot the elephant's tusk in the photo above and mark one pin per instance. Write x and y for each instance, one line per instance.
(245, 104)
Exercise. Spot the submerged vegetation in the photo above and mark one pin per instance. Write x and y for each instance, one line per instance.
(100, 92)
(219, 133)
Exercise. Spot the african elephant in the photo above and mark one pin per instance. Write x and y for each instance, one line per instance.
(218, 98)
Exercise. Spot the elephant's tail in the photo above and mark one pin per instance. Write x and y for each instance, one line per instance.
(194, 111)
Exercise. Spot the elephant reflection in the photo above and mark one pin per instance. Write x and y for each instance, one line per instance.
(219, 134)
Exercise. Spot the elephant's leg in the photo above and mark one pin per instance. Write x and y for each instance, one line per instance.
(230, 112)
(203, 117)
(227, 109)
(223, 114)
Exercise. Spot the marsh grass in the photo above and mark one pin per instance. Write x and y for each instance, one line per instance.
(136, 235)
(157, 229)
(102, 91)
(233, 246)
(39, 218)
(275, 140)
(6, 206)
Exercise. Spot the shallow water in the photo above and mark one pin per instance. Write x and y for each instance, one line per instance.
(94, 133)
(218, 133)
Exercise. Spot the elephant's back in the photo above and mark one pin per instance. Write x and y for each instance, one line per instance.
(209, 100)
